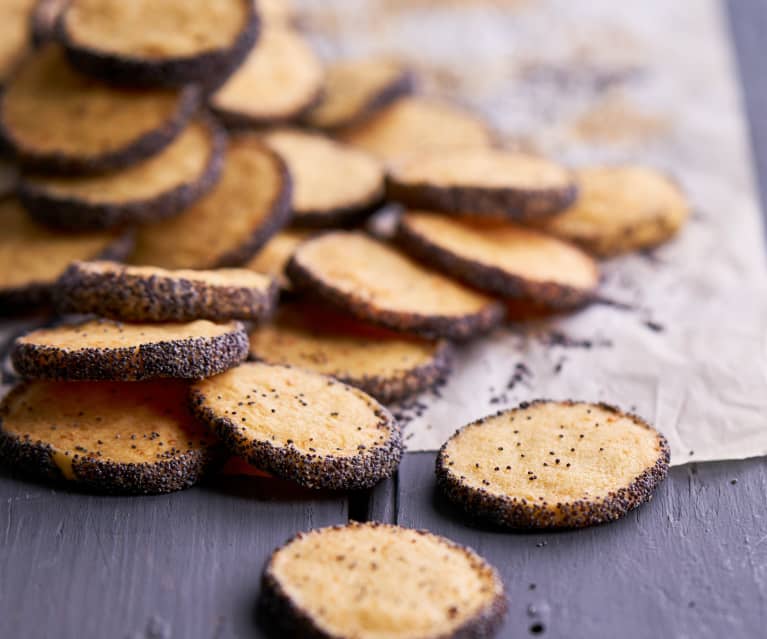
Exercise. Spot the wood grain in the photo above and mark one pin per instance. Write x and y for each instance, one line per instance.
(691, 563)
(184, 565)
(748, 24)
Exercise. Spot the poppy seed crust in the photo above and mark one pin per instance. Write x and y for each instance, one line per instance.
(618, 463)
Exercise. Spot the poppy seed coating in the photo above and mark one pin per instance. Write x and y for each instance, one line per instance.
(110, 147)
(150, 294)
(378, 580)
(300, 425)
(376, 283)
(134, 438)
(483, 183)
(384, 364)
(355, 89)
(255, 190)
(621, 209)
(107, 350)
(206, 67)
(75, 212)
(607, 463)
(504, 260)
(36, 257)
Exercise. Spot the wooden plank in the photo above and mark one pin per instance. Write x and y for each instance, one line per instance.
(182, 565)
(692, 563)
(748, 24)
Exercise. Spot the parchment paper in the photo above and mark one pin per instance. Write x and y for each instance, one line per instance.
(602, 81)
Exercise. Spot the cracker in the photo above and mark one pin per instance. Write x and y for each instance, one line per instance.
(280, 80)
(154, 189)
(553, 464)
(507, 260)
(386, 365)
(414, 125)
(379, 580)
(56, 119)
(355, 89)
(97, 350)
(170, 43)
(273, 257)
(277, 12)
(376, 283)
(32, 257)
(107, 437)
(14, 34)
(249, 204)
(483, 182)
(300, 425)
(152, 294)
(622, 209)
(333, 184)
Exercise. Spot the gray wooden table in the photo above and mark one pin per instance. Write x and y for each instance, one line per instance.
(693, 563)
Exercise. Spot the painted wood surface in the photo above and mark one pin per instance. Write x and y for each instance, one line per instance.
(693, 563)
(185, 565)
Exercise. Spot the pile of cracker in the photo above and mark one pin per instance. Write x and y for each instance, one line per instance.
(187, 186)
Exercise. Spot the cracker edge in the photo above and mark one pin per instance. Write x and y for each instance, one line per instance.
(190, 358)
(143, 147)
(35, 458)
(276, 606)
(494, 279)
(208, 68)
(430, 326)
(311, 470)
(508, 512)
(510, 203)
(21, 299)
(159, 298)
(403, 85)
(388, 389)
(76, 214)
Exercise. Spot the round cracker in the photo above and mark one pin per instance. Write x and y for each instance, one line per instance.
(414, 125)
(273, 257)
(154, 189)
(56, 119)
(108, 437)
(373, 579)
(169, 44)
(385, 365)
(32, 257)
(300, 425)
(622, 209)
(552, 464)
(277, 12)
(376, 283)
(506, 260)
(355, 89)
(249, 204)
(483, 182)
(333, 184)
(14, 34)
(281, 78)
(152, 294)
(97, 350)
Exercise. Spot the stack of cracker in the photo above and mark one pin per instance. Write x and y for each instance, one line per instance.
(189, 176)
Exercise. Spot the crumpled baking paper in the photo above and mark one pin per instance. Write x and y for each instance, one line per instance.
(652, 82)
(587, 82)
